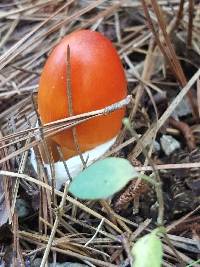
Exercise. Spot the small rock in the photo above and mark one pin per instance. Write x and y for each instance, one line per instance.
(182, 109)
(169, 144)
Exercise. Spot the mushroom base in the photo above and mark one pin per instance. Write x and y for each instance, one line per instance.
(74, 164)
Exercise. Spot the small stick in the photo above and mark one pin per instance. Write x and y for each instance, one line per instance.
(54, 229)
(70, 108)
(98, 229)
(158, 187)
(79, 119)
(73, 120)
(179, 13)
(59, 193)
(186, 131)
(190, 23)
(64, 162)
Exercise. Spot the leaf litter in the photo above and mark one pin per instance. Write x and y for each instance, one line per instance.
(158, 43)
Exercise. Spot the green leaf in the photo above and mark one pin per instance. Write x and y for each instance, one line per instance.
(102, 179)
(147, 251)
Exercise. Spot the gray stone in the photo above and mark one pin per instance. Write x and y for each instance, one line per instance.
(169, 144)
(182, 109)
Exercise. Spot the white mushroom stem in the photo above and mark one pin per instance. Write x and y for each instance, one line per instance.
(74, 164)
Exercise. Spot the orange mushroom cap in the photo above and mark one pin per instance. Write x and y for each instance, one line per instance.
(97, 79)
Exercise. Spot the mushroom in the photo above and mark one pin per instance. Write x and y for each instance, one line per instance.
(97, 80)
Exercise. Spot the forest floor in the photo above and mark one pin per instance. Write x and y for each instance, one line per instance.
(159, 45)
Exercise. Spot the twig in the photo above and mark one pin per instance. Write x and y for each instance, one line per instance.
(190, 23)
(47, 154)
(82, 257)
(198, 95)
(53, 130)
(158, 185)
(181, 220)
(169, 166)
(167, 49)
(98, 229)
(179, 13)
(54, 229)
(24, 42)
(168, 241)
(147, 137)
(70, 107)
(59, 193)
(71, 121)
(186, 131)
(16, 185)
(64, 162)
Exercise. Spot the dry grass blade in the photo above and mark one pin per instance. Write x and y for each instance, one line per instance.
(25, 42)
(7, 57)
(179, 13)
(167, 49)
(56, 223)
(59, 193)
(60, 125)
(198, 95)
(23, 9)
(190, 23)
(148, 136)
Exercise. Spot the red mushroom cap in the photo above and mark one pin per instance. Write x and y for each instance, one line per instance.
(97, 79)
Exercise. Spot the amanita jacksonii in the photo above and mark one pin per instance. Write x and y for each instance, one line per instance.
(97, 81)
